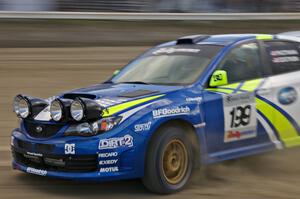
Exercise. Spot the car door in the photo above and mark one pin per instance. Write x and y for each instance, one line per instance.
(234, 125)
(284, 60)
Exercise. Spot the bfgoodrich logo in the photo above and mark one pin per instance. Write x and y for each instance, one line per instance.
(166, 112)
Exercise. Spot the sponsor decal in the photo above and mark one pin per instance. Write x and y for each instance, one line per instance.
(239, 117)
(283, 52)
(112, 143)
(142, 127)
(166, 112)
(106, 102)
(34, 154)
(109, 169)
(231, 136)
(108, 155)
(194, 99)
(287, 95)
(285, 59)
(201, 125)
(175, 50)
(108, 162)
(36, 171)
(70, 149)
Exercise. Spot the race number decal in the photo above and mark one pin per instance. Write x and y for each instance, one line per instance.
(239, 117)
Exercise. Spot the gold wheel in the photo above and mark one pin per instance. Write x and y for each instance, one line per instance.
(175, 161)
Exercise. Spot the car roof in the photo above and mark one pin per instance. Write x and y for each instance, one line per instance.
(227, 39)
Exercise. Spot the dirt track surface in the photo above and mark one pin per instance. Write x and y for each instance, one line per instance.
(48, 71)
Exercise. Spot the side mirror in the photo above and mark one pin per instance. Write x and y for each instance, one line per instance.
(218, 78)
(116, 72)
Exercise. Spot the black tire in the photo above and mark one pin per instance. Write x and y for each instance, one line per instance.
(155, 178)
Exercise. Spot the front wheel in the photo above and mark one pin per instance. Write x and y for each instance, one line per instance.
(169, 164)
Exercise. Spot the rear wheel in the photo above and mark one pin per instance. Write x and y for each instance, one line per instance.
(169, 162)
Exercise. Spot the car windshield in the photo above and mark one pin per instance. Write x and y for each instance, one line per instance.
(175, 65)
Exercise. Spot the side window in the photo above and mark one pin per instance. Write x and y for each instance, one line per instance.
(283, 56)
(242, 63)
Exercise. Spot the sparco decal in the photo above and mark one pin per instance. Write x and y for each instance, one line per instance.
(142, 127)
(36, 171)
(112, 143)
(166, 112)
(109, 169)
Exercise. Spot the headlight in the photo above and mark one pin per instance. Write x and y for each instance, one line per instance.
(21, 106)
(56, 111)
(59, 109)
(26, 106)
(83, 108)
(77, 110)
(94, 128)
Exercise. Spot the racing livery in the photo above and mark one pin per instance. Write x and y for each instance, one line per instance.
(197, 100)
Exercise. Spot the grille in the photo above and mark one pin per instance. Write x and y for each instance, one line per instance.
(47, 130)
(25, 145)
(80, 163)
(44, 148)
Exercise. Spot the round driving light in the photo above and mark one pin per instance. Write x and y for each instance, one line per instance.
(77, 110)
(16, 104)
(21, 107)
(56, 111)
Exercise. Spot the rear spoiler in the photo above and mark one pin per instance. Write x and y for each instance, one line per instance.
(294, 35)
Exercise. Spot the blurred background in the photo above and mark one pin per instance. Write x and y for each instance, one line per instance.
(153, 5)
(43, 57)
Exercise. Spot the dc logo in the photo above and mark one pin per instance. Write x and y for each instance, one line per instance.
(70, 149)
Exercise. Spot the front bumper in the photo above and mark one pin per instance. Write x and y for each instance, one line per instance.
(74, 158)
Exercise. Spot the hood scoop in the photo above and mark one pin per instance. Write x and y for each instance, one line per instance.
(75, 95)
(137, 93)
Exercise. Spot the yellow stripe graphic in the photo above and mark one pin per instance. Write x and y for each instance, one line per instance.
(232, 86)
(264, 37)
(287, 132)
(220, 90)
(120, 107)
(225, 89)
(251, 85)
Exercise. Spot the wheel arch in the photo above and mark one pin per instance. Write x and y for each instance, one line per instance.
(184, 124)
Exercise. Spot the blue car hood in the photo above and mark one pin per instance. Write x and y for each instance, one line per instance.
(112, 94)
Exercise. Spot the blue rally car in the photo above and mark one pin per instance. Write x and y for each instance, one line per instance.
(194, 101)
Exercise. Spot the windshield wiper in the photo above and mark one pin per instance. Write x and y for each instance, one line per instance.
(108, 82)
(134, 82)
